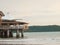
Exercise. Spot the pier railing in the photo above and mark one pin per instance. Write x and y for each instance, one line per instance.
(11, 27)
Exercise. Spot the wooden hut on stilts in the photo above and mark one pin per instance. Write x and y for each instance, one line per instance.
(7, 26)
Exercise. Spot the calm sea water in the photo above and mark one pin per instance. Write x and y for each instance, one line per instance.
(41, 34)
(35, 38)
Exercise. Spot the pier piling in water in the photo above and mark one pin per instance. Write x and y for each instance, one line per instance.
(22, 35)
(17, 34)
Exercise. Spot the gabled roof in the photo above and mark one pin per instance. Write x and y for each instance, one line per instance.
(12, 22)
(6, 21)
(1, 13)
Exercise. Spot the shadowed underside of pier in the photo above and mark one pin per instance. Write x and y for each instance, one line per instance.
(9, 33)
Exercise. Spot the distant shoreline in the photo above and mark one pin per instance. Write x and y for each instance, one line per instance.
(49, 28)
(49, 31)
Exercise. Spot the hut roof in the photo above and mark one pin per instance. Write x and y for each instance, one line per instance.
(6, 21)
(1, 13)
(11, 22)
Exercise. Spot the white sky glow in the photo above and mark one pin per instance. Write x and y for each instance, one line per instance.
(36, 12)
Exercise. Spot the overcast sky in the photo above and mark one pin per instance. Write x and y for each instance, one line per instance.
(36, 12)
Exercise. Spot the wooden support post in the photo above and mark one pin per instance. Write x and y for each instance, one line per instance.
(3, 34)
(22, 35)
(17, 34)
(0, 33)
(17, 31)
(8, 33)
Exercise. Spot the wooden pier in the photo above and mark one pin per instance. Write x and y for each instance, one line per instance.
(8, 26)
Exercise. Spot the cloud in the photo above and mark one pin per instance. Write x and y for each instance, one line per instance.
(33, 11)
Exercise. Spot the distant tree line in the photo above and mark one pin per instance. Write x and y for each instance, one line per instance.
(49, 28)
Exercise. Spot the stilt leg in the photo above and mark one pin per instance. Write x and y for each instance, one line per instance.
(17, 34)
(22, 35)
(0, 33)
(3, 34)
(10, 34)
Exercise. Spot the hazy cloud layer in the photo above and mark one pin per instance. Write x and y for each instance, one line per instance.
(37, 12)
